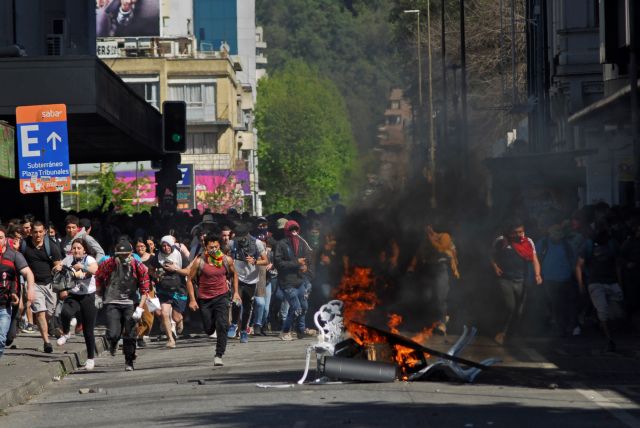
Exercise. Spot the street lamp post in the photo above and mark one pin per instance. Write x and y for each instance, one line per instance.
(432, 141)
(417, 12)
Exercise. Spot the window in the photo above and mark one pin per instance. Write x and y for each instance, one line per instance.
(395, 105)
(147, 90)
(200, 143)
(146, 86)
(200, 99)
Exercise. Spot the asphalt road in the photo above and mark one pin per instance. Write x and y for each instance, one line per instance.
(256, 388)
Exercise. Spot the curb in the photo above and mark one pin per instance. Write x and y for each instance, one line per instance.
(59, 366)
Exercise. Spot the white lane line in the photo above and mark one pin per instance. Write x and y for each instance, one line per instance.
(616, 411)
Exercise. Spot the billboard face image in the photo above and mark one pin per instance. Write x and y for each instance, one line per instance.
(127, 18)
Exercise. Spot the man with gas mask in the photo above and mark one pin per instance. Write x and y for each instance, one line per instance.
(123, 284)
(247, 253)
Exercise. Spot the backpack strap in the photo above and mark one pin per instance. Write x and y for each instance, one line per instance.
(47, 246)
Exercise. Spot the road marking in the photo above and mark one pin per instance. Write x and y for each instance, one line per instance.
(606, 404)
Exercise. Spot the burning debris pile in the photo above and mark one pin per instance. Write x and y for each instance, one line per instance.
(367, 353)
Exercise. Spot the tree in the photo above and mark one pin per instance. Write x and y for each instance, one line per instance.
(306, 150)
(349, 41)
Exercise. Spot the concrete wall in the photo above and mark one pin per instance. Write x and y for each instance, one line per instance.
(34, 22)
(226, 92)
(176, 18)
(247, 42)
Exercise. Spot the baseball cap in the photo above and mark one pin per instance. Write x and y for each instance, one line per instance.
(208, 218)
(282, 222)
(123, 247)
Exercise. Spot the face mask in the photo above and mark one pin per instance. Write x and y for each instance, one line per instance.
(215, 253)
(294, 233)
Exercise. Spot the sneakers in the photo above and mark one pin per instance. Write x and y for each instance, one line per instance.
(301, 334)
(72, 326)
(171, 344)
(128, 367)
(113, 349)
(310, 332)
(263, 330)
(140, 343)
(286, 337)
(62, 339)
(244, 337)
(180, 326)
(217, 361)
(89, 364)
(29, 329)
(48, 348)
(233, 329)
(499, 338)
(214, 335)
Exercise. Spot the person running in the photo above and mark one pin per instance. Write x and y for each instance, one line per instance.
(42, 256)
(170, 266)
(210, 271)
(146, 322)
(11, 263)
(80, 301)
(292, 257)
(513, 254)
(247, 253)
(123, 283)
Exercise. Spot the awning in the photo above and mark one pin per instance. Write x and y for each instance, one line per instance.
(611, 109)
(107, 121)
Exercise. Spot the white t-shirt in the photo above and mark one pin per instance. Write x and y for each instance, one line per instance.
(84, 286)
(247, 273)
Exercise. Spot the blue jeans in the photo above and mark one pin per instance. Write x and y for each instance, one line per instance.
(261, 307)
(297, 308)
(5, 323)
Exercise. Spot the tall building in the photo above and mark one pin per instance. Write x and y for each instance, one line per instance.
(169, 62)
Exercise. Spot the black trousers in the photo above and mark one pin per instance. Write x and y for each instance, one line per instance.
(215, 317)
(120, 322)
(83, 308)
(246, 292)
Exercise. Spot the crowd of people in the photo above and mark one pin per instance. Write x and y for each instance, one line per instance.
(249, 275)
(587, 265)
(243, 275)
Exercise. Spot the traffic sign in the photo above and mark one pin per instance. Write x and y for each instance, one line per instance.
(43, 148)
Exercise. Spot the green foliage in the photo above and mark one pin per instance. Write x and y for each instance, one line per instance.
(350, 41)
(306, 148)
(123, 194)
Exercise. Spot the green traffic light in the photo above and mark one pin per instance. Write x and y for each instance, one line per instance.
(176, 138)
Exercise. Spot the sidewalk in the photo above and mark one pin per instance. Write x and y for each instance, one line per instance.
(25, 369)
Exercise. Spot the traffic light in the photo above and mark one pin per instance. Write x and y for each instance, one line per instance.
(174, 126)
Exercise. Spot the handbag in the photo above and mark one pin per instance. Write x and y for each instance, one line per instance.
(153, 304)
(63, 280)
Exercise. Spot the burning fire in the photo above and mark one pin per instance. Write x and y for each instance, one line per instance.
(359, 297)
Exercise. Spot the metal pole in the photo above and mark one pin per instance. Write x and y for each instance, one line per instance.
(46, 208)
(77, 191)
(514, 88)
(633, 95)
(463, 90)
(419, 63)
(444, 76)
(432, 140)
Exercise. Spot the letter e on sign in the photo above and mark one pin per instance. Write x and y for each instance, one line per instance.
(27, 141)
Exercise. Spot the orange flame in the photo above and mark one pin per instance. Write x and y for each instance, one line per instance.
(394, 321)
(357, 294)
